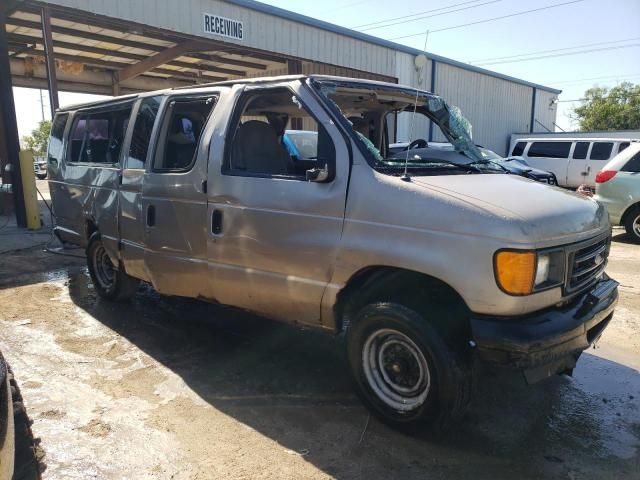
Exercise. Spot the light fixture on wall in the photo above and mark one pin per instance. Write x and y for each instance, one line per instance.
(420, 63)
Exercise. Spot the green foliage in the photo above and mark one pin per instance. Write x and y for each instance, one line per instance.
(39, 138)
(617, 108)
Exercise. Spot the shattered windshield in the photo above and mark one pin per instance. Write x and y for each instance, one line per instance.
(377, 113)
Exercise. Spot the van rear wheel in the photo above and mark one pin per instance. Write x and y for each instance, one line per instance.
(632, 224)
(111, 282)
(402, 368)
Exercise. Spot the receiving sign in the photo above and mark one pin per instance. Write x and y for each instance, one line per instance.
(225, 27)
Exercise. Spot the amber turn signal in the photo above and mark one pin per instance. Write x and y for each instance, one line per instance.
(515, 271)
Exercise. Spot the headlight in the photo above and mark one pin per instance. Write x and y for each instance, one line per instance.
(520, 272)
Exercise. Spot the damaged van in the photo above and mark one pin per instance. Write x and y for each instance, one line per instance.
(425, 263)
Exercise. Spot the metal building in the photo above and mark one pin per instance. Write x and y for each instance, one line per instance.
(271, 41)
(121, 46)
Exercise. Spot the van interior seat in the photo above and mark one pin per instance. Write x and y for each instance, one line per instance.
(256, 149)
(183, 139)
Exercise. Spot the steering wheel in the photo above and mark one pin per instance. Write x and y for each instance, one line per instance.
(417, 143)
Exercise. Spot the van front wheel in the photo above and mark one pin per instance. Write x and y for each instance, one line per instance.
(403, 370)
(111, 282)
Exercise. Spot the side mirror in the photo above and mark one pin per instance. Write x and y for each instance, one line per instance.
(318, 174)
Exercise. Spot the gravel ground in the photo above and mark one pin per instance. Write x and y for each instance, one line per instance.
(169, 388)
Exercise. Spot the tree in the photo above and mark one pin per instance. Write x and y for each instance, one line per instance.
(617, 108)
(39, 138)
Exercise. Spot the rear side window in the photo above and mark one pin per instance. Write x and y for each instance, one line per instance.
(146, 118)
(601, 150)
(549, 149)
(182, 127)
(518, 150)
(580, 152)
(97, 137)
(633, 165)
(622, 146)
(57, 133)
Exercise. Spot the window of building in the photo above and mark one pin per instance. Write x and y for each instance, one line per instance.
(601, 150)
(549, 149)
(580, 152)
(633, 165)
(273, 134)
(518, 150)
(57, 134)
(146, 118)
(97, 136)
(179, 137)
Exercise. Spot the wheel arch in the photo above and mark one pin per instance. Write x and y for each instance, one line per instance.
(395, 284)
(628, 210)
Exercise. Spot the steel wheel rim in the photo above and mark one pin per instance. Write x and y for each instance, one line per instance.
(103, 268)
(396, 369)
(636, 226)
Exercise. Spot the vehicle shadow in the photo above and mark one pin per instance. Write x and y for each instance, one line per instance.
(624, 238)
(290, 384)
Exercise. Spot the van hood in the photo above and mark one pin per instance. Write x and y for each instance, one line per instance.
(545, 214)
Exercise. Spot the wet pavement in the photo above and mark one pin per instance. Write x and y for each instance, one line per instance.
(167, 387)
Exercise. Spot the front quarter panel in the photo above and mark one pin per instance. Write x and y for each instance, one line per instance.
(389, 223)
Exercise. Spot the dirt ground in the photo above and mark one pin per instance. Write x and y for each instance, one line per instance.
(169, 388)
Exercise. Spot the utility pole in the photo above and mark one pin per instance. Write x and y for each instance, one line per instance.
(41, 103)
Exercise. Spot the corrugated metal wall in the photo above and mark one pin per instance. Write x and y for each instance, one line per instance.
(409, 75)
(261, 31)
(545, 111)
(495, 107)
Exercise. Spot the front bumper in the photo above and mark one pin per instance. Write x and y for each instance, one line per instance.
(550, 341)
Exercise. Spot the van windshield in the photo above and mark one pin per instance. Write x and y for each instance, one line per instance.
(374, 112)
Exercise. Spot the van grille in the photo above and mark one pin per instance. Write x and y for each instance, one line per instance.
(587, 263)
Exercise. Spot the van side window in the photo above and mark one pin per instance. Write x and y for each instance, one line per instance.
(549, 149)
(142, 129)
(580, 152)
(518, 150)
(622, 146)
(633, 165)
(182, 127)
(97, 137)
(55, 139)
(274, 134)
(601, 150)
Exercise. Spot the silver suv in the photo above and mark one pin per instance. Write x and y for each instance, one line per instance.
(618, 189)
(423, 264)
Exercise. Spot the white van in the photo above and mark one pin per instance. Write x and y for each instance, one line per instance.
(575, 161)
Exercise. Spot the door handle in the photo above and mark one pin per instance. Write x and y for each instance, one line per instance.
(151, 216)
(216, 222)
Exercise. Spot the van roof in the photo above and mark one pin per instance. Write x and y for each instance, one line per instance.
(240, 81)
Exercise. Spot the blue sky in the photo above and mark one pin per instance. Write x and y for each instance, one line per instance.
(586, 24)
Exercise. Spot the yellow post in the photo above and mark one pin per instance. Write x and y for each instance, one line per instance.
(29, 190)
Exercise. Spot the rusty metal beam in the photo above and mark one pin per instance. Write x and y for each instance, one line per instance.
(156, 60)
(115, 66)
(50, 60)
(11, 6)
(212, 45)
(127, 55)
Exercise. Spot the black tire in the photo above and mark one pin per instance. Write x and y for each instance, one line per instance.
(632, 223)
(403, 335)
(110, 281)
(29, 456)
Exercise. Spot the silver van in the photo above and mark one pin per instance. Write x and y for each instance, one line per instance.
(574, 161)
(424, 265)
